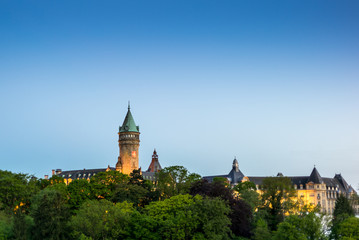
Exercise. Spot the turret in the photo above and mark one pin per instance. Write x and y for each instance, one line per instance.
(129, 142)
(155, 165)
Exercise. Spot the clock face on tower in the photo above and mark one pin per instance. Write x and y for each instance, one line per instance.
(134, 154)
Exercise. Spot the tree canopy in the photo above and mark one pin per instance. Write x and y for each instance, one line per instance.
(178, 205)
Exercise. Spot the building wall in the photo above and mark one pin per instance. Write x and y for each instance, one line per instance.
(129, 143)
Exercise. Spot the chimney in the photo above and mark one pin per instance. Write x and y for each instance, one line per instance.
(53, 172)
(46, 177)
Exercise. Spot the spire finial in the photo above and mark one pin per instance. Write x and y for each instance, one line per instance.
(129, 105)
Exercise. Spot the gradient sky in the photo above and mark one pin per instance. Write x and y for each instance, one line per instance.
(274, 83)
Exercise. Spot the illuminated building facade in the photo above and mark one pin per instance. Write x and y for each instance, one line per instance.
(313, 189)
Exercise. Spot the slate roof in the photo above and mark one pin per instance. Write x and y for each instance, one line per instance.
(315, 177)
(155, 165)
(337, 183)
(256, 180)
(298, 180)
(234, 176)
(149, 176)
(82, 174)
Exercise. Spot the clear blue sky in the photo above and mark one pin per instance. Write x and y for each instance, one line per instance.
(274, 83)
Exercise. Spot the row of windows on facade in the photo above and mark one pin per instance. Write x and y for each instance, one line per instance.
(309, 187)
(318, 187)
(149, 177)
(79, 175)
(327, 194)
(129, 136)
(89, 175)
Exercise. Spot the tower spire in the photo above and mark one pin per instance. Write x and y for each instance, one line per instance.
(129, 124)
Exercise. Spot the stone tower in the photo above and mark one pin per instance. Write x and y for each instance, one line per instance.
(128, 142)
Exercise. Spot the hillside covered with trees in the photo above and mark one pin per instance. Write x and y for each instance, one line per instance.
(179, 205)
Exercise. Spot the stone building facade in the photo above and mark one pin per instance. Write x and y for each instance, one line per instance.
(311, 189)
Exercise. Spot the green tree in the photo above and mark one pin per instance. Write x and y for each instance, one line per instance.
(349, 229)
(16, 190)
(79, 191)
(222, 180)
(50, 214)
(175, 180)
(173, 215)
(354, 200)
(312, 225)
(342, 211)
(301, 226)
(277, 199)
(247, 192)
(142, 227)
(104, 184)
(188, 217)
(136, 178)
(5, 226)
(261, 230)
(288, 231)
(343, 206)
(213, 218)
(133, 193)
(240, 215)
(137, 191)
(54, 179)
(102, 220)
(22, 225)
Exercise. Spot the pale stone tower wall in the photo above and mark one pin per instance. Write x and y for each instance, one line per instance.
(129, 143)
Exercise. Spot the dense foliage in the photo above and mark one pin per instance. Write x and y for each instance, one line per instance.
(178, 205)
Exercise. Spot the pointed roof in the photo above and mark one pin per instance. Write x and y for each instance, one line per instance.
(155, 165)
(129, 124)
(235, 174)
(315, 176)
(235, 165)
